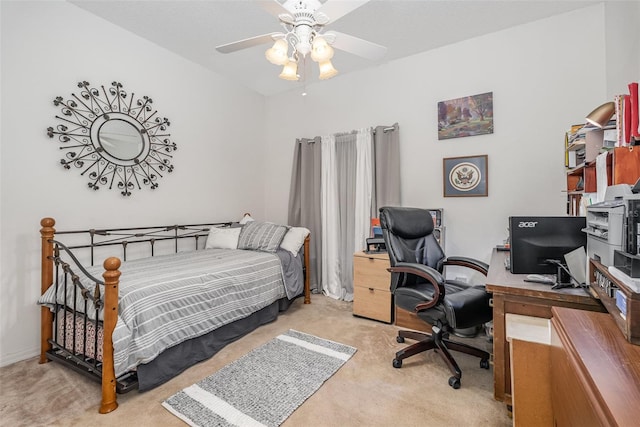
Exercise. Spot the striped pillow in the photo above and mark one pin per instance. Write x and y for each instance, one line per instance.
(261, 236)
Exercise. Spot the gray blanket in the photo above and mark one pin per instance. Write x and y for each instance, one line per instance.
(168, 299)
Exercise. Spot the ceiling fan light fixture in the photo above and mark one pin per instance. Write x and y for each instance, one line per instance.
(277, 54)
(303, 34)
(327, 70)
(289, 71)
(303, 47)
(321, 50)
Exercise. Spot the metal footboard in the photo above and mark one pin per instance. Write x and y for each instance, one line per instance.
(59, 340)
(76, 329)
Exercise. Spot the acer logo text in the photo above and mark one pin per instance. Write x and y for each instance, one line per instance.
(527, 224)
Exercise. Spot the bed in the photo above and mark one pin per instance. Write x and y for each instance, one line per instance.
(175, 296)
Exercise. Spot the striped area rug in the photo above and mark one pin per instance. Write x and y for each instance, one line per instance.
(263, 387)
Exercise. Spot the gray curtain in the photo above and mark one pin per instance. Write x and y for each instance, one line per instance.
(304, 201)
(346, 152)
(386, 170)
(304, 197)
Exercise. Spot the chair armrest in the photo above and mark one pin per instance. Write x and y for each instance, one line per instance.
(471, 263)
(432, 275)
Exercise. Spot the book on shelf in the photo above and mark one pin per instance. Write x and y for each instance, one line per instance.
(575, 133)
(633, 123)
(621, 133)
(627, 117)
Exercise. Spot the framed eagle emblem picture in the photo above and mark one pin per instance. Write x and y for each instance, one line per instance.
(465, 176)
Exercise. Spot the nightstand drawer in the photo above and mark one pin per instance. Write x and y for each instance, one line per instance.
(371, 272)
(372, 303)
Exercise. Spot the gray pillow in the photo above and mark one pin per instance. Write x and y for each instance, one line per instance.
(261, 236)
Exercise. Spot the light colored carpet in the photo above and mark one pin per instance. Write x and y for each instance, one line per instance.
(367, 391)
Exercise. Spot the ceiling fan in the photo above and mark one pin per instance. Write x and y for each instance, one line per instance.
(304, 22)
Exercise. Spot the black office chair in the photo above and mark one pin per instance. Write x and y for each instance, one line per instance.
(418, 285)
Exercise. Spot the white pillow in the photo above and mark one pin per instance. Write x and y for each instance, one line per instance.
(223, 238)
(294, 239)
(245, 219)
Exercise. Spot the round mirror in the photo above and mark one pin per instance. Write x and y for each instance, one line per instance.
(115, 139)
(120, 139)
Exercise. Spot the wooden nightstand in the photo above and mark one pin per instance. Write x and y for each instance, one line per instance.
(371, 281)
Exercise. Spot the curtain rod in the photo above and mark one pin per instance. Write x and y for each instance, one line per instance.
(385, 130)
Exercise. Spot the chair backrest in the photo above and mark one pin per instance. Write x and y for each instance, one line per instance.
(408, 236)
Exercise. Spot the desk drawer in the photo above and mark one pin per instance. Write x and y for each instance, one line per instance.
(371, 273)
(372, 303)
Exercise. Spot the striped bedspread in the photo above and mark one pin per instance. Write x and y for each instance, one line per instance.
(166, 300)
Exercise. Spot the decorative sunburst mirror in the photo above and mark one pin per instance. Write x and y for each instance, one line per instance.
(116, 140)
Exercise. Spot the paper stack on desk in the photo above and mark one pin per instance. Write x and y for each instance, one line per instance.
(634, 284)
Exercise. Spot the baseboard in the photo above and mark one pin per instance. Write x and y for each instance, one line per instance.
(10, 359)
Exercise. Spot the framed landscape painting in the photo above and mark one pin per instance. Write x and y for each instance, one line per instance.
(468, 116)
(465, 176)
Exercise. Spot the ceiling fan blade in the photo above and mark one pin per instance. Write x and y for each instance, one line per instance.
(336, 9)
(246, 43)
(357, 46)
(274, 7)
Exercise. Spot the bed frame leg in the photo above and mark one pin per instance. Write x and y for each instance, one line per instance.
(46, 317)
(307, 275)
(111, 282)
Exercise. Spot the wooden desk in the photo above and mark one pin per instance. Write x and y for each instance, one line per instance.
(511, 294)
(595, 372)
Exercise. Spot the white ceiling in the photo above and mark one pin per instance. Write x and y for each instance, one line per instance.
(193, 29)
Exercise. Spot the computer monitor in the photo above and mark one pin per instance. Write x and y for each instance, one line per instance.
(536, 239)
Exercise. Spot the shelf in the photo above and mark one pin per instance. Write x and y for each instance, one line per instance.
(628, 322)
(581, 178)
(576, 170)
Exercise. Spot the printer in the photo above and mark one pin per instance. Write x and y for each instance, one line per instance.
(608, 223)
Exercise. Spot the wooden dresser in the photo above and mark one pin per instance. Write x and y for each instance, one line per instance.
(371, 281)
(595, 372)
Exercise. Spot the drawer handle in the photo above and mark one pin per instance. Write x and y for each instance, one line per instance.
(371, 289)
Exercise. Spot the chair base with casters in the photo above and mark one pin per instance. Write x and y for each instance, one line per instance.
(438, 340)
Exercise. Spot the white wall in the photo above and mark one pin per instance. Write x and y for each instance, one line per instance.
(47, 47)
(622, 40)
(535, 71)
(541, 85)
